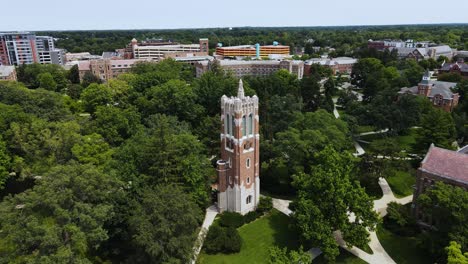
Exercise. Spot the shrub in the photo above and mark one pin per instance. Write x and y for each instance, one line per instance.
(214, 240)
(251, 216)
(265, 205)
(233, 241)
(222, 240)
(231, 219)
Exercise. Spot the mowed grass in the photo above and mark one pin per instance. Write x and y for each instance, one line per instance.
(364, 129)
(257, 237)
(403, 250)
(405, 141)
(344, 258)
(401, 183)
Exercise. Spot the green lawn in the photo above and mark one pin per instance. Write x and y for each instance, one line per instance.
(363, 129)
(405, 142)
(257, 237)
(403, 250)
(401, 183)
(344, 258)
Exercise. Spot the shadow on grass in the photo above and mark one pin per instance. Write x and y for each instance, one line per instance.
(284, 236)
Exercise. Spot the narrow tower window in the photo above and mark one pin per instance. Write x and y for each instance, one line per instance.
(232, 130)
(250, 125)
(249, 199)
(226, 124)
(244, 126)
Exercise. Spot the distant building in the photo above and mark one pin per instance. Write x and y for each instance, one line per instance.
(25, 48)
(418, 54)
(106, 69)
(439, 93)
(338, 65)
(18, 48)
(447, 166)
(157, 51)
(7, 73)
(390, 44)
(258, 68)
(69, 57)
(253, 51)
(460, 68)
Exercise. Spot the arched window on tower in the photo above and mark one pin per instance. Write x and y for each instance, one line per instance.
(244, 126)
(249, 199)
(251, 124)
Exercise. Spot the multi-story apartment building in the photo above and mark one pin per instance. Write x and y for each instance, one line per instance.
(256, 50)
(7, 73)
(241, 68)
(18, 48)
(159, 50)
(47, 52)
(343, 65)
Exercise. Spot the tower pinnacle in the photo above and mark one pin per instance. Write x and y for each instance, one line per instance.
(240, 91)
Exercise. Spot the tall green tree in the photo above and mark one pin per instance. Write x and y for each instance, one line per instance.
(67, 226)
(455, 255)
(447, 206)
(438, 127)
(325, 199)
(164, 225)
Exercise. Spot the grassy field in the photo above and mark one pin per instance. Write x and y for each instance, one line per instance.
(344, 258)
(401, 183)
(403, 250)
(405, 142)
(257, 237)
(363, 129)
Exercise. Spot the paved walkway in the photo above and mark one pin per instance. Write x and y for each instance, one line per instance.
(374, 132)
(283, 206)
(379, 255)
(210, 215)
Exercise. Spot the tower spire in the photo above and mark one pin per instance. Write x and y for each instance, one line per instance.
(240, 91)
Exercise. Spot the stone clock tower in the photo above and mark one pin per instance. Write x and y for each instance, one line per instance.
(238, 169)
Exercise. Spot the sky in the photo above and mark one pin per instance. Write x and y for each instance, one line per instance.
(35, 15)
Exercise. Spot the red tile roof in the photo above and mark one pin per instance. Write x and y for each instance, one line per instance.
(446, 163)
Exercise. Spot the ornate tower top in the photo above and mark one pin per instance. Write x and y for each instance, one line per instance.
(240, 90)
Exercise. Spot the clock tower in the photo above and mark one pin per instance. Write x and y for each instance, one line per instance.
(239, 166)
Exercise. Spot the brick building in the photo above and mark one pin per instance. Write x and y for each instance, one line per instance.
(343, 65)
(258, 68)
(447, 166)
(439, 93)
(239, 166)
(106, 69)
(459, 67)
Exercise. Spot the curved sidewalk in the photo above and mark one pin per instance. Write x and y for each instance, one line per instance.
(379, 255)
